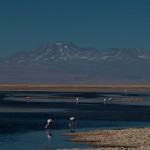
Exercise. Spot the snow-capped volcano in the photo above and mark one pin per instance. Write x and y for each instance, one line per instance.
(63, 62)
(53, 52)
(62, 51)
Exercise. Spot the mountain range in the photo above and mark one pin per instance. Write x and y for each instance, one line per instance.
(67, 63)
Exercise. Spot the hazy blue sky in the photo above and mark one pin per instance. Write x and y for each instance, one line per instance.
(25, 24)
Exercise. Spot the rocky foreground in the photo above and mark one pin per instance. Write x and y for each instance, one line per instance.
(124, 139)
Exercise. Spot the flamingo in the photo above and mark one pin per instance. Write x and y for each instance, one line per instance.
(125, 91)
(77, 100)
(28, 98)
(104, 101)
(72, 124)
(110, 99)
(49, 123)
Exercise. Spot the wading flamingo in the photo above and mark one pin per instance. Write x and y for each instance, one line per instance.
(104, 101)
(72, 124)
(49, 123)
(28, 99)
(110, 100)
(77, 100)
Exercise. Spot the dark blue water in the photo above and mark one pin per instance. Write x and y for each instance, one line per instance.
(22, 123)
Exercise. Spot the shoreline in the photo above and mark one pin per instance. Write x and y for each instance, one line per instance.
(119, 139)
(70, 88)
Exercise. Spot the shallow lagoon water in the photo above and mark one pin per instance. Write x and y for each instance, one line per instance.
(39, 140)
(22, 123)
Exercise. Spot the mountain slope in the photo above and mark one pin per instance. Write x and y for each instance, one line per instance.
(53, 52)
